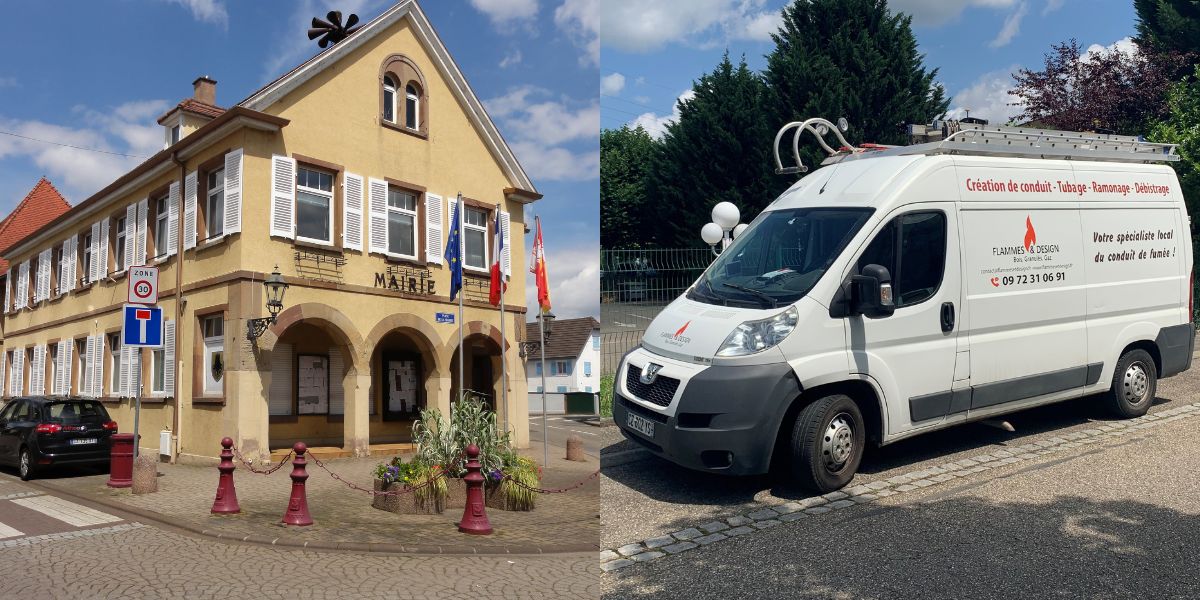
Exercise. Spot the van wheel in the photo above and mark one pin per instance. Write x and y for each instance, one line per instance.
(827, 443)
(1134, 384)
(25, 466)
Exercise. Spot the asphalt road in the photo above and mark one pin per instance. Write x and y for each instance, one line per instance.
(559, 428)
(1107, 520)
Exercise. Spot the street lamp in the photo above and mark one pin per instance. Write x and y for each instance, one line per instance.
(276, 287)
(529, 347)
(724, 227)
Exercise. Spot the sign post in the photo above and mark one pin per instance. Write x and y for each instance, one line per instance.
(141, 327)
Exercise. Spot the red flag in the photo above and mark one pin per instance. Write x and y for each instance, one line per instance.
(538, 268)
(498, 285)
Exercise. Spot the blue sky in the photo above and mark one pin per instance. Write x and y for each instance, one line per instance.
(97, 74)
(976, 44)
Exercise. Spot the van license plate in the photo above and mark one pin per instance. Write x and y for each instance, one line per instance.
(82, 441)
(640, 424)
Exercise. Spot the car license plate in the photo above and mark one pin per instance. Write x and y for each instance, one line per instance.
(82, 441)
(640, 424)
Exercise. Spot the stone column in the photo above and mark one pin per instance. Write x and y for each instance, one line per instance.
(356, 431)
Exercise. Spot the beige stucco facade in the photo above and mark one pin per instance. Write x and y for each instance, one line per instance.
(335, 308)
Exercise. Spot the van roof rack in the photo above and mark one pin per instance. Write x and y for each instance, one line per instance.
(956, 137)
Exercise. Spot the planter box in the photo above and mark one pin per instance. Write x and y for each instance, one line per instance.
(495, 498)
(407, 503)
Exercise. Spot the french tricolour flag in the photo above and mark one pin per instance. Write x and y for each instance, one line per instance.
(498, 283)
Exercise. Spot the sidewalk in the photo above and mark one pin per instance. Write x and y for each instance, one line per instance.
(343, 517)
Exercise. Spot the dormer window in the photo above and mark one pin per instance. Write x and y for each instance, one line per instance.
(412, 107)
(389, 99)
(175, 134)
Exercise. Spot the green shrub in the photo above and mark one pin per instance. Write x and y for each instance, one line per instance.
(606, 395)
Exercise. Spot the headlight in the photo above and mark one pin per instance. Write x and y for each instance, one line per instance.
(756, 336)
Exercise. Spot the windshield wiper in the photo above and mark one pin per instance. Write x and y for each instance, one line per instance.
(711, 293)
(771, 301)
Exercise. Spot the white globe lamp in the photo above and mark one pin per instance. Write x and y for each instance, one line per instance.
(711, 234)
(726, 215)
(739, 229)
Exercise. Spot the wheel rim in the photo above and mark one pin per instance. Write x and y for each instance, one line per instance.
(24, 463)
(837, 443)
(1135, 385)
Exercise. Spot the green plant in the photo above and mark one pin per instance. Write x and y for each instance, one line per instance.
(606, 395)
(444, 442)
(418, 472)
(437, 441)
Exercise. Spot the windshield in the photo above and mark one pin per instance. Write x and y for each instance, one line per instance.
(72, 412)
(780, 257)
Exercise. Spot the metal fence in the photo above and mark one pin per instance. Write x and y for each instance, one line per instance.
(635, 285)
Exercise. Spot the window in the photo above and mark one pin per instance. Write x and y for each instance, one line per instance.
(51, 368)
(587, 369)
(56, 275)
(919, 240)
(560, 367)
(213, 329)
(587, 388)
(595, 342)
(119, 245)
(402, 219)
(537, 368)
(475, 238)
(562, 389)
(412, 107)
(114, 350)
(214, 205)
(161, 233)
(85, 249)
(80, 366)
(389, 99)
(314, 206)
(157, 371)
(175, 134)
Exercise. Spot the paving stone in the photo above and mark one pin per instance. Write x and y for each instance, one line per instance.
(647, 556)
(738, 521)
(743, 530)
(855, 490)
(885, 493)
(899, 479)
(831, 496)
(616, 564)
(680, 547)
(966, 462)
(908, 487)
(659, 542)
(864, 498)
(705, 540)
(767, 523)
(936, 470)
(943, 477)
(607, 555)
(817, 510)
(688, 534)
(877, 485)
(796, 516)
(840, 504)
(811, 502)
(788, 508)
(631, 549)
(713, 527)
(763, 514)
(1027, 456)
(925, 482)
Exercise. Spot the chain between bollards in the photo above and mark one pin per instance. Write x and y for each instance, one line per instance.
(576, 485)
(249, 464)
(397, 492)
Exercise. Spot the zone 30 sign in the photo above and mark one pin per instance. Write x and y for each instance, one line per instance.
(143, 285)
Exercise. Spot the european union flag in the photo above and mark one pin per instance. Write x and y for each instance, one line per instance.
(453, 247)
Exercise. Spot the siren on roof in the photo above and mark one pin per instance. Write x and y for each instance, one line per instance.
(332, 31)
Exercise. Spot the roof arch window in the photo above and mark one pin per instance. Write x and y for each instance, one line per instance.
(404, 102)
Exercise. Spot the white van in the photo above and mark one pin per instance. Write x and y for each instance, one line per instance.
(906, 289)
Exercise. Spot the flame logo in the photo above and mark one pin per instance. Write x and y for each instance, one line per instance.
(1030, 234)
(682, 329)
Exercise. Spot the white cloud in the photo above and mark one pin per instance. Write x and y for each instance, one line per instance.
(294, 47)
(612, 84)
(580, 20)
(1124, 45)
(541, 127)
(636, 26)
(656, 125)
(934, 13)
(510, 59)
(572, 295)
(505, 12)
(1011, 27)
(9, 82)
(207, 11)
(1052, 5)
(987, 98)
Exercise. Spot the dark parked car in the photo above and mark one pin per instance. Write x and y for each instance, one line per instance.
(37, 432)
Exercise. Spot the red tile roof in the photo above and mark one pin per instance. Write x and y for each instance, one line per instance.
(194, 106)
(42, 205)
(568, 338)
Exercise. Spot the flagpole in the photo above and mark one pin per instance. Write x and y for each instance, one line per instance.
(462, 355)
(503, 339)
(542, 347)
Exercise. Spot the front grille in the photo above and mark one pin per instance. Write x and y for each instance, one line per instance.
(660, 393)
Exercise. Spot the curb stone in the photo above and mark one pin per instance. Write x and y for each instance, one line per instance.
(771, 514)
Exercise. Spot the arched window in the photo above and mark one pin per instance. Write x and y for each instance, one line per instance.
(389, 99)
(412, 107)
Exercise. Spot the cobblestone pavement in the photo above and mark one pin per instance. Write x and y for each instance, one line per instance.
(342, 515)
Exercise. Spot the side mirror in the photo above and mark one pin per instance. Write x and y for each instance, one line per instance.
(871, 292)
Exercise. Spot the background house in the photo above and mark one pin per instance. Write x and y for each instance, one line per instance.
(572, 357)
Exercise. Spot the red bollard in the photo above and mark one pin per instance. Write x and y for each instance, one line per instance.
(226, 502)
(474, 520)
(297, 510)
(120, 461)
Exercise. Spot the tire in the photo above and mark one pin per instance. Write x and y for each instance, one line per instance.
(25, 465)
(827, 443)
(1134, 384)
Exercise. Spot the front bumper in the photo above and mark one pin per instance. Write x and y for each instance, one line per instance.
(722, 419)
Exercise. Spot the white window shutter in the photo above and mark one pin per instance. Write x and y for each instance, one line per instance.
(377, 192)
(94, 267)
(172, 219)
(40, 376)
(59, 354)
(139, 247)
(98, 367)
(8, 290)
(20, 372)
(279, 400)
(23, 285)
(506, 251)
(132, 368)
(434, 237)
(352, 214)
(68, 362)
(37, 279)
(48, 275)
(102, 272)
(233, 191)
(130, 235)
(33, 371)
(169, 358)
(66, 268)
(189, 211)
(89, 367)
(122, 390)
(337, 398)
(283, 196)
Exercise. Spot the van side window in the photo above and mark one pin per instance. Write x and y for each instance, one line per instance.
(919, 241)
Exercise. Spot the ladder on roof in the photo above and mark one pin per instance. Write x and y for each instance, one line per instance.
(954, 137)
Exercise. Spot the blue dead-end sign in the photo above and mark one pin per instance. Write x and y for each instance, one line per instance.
(142, 326)
(445, 317)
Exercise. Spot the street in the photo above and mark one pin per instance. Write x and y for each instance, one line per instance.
(559, 428)
(1072, 504)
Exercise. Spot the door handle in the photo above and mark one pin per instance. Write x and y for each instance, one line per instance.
(947, 316)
